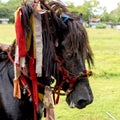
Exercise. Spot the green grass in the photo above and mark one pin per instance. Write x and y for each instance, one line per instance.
(106, 47)
(106, 82)
(106, 99)
(7, 33)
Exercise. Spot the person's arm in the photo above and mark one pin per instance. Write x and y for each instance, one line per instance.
(5, 47)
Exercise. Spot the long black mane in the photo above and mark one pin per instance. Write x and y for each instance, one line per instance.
(54, 32)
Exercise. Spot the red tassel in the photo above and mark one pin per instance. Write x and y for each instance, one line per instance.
(84, 71)
(34, 86)
(20, 36)
(24, 83)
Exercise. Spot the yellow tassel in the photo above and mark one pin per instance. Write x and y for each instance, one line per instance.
(41, 96)
(34, 38)
(17, 92)
(29, 35)
(16, 13)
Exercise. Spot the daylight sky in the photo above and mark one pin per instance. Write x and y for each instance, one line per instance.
(109, 4)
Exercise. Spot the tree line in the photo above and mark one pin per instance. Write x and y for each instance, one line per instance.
(92, 9)
(89, 9)
(8, 9)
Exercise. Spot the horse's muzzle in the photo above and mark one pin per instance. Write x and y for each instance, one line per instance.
(81, 96)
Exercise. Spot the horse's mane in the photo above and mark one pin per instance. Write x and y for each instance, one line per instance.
(77, 38)
(54, 30)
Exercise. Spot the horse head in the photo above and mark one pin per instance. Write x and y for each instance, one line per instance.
(72, 52)
(75, 51)
(65, 51)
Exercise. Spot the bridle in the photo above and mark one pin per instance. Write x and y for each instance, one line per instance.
(56, 89)
(67, 78)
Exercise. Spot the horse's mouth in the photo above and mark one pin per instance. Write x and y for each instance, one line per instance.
(81, 104)
(78, 105)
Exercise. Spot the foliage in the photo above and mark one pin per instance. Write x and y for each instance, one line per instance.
(7, 9)
(90, 8)
(105, 17)
(101, 26)
(87, 9)
(115, 15)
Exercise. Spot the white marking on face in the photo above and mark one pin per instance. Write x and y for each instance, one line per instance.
(72, 104)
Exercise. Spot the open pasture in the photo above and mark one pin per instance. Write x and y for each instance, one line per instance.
(105, 83)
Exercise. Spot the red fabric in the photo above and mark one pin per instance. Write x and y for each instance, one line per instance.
(25, 83)
(34, 86)
(20, 36)
(85, 71)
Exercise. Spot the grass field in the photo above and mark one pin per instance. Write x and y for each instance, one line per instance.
(106, 82)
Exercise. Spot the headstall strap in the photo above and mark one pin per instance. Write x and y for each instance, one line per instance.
(67, 78)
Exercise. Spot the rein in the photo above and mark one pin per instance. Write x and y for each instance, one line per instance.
(66, 78)
(56, 89)
(25, 84)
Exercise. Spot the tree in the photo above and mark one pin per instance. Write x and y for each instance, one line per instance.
(105, 16)
(90, 8)
(7, 9)
(87, 9)
(115, 15)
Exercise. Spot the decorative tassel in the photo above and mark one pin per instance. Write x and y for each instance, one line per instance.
(37, 35)
(20, 36)
(34, 87)
(17, 91)
(50, 114)
(25, 86)
(48, 104)
(37, 7)
(39, 45)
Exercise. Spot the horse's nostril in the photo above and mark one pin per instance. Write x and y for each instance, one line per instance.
(82, 103)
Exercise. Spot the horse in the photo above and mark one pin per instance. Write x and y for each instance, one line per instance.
(65, 51)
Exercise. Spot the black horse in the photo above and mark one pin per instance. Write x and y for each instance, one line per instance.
(65, 50)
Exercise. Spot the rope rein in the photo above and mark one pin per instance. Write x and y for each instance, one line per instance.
(55, 90)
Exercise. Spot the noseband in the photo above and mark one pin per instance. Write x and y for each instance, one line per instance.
(67, 78)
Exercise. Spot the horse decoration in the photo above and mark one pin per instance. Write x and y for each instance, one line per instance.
(48, 56)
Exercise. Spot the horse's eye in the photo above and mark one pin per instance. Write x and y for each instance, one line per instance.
(69, 56)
